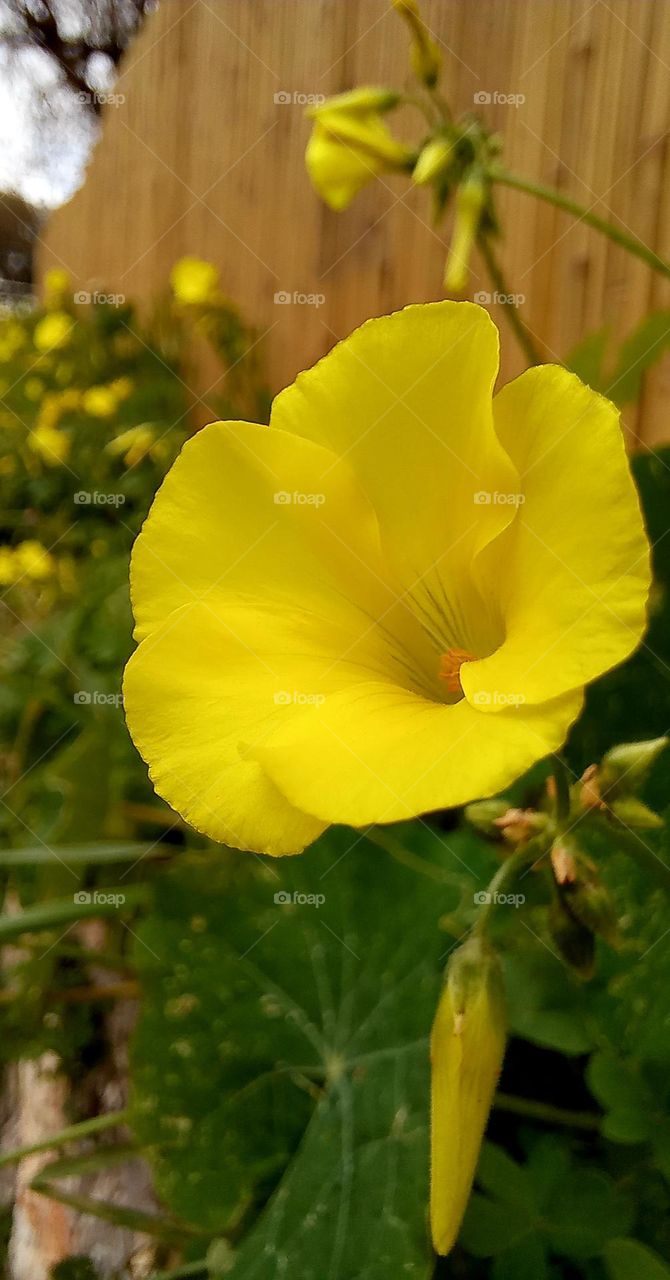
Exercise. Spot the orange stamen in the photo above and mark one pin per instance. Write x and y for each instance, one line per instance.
(450, 668)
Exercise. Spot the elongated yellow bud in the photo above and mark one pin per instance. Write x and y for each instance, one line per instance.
(470, 201)
(433, 161)
(425, 55)
(467, 1047)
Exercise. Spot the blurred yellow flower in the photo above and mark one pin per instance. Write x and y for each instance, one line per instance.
(33, 560)
(389, 601)
(194, 281)
(99, 402)
(12, 338)
(134, 444)
(350, 144)
(28, 560)
(52, 331)
(122, 387)
(50, 444)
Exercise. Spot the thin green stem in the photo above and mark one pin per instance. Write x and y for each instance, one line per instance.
(544, 1111)
(561, 778)
(504, 880)
(512, 312)
(73, 1132)
(583, 214)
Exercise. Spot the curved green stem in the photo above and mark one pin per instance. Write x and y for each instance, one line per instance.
(560, 775)
(544, 1111)
(579, 211)
(504, 879)
(494, 269)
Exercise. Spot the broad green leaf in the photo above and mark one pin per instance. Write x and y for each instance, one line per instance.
(282, 1051)
(490, 1227)
(503, 1178)
(524, 1261)
(630, 1260)
(640, 351)
(55, 914)
(586, 1213)
(587, 358)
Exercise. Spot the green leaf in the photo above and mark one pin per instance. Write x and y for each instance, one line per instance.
(630, 1260)
(503, 1178)
(489, 1227)
(587, 1212)
(98, 853)
(299, 1076)
(64, 911)
(524, 1261)
(587, 358)
(640, 351)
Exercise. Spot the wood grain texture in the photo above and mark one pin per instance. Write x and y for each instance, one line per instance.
(201, 159)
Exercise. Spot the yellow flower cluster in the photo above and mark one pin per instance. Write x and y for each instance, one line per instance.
(28, 560)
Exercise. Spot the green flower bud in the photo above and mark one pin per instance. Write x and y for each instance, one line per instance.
(483, 815)
(632, 812)
(625, 768)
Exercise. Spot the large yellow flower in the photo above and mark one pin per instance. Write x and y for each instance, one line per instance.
(388, 601)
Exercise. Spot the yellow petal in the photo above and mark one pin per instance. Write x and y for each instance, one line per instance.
(570, 575)
(377, 752)
(255, 512)
(191, 691)
(204, 690)
(406, 399)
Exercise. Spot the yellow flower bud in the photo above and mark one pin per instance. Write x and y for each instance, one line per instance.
(433, 161)
(470, 201)
(425, 55)
(467, 1047)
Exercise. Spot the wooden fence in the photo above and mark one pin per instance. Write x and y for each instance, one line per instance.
(205, 156)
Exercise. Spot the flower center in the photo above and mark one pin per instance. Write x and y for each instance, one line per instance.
(450, 668)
